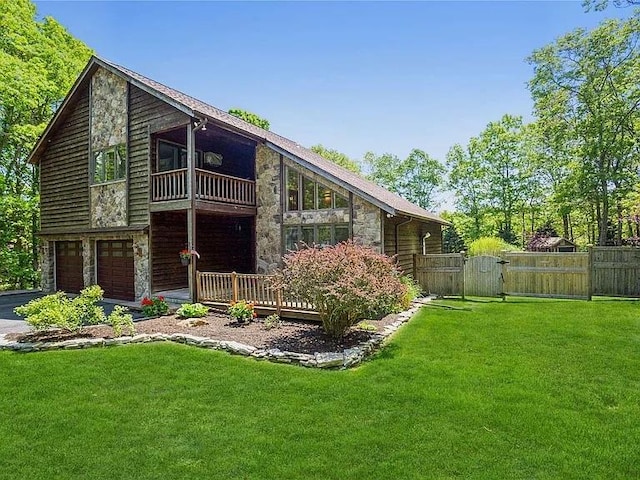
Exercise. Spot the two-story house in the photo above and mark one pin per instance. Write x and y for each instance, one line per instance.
(132, 172)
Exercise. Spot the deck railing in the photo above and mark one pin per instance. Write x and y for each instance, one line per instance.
(169, 185)
(256, 289)
(214, 187)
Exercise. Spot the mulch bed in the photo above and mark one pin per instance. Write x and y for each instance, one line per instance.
(292, 336)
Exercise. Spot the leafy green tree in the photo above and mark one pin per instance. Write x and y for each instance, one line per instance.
(416, 178)
(587, 83)
(250, 118)
(39, 61)
(337, 157)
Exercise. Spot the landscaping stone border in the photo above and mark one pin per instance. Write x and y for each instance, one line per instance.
(349, 357)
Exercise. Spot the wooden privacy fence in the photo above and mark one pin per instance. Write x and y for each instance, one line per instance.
(610, 271)
(256, 289)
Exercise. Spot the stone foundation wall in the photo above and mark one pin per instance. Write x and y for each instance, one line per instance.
(109, 205)
(268, 223)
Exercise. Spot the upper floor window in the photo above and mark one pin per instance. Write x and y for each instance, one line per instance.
(110, 164)
(306, 194)
(172, 156)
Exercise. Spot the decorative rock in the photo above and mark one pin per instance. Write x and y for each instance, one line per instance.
(352, 356)
(329, 359)
(192, 322)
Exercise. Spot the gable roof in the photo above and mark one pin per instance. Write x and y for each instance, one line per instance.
(381, 197)
(551, 242)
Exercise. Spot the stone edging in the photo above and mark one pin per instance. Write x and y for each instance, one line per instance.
(338, 360)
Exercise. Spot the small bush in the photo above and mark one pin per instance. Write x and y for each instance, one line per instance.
(154, 306)
(413, 291)
(242, 311)
(346, 283)
(192, 310)
(57, 310)
(489, 246)
(366, 326)
(272, 321)
(120, 320)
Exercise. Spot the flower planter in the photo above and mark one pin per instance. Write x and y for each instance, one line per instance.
(184, 261)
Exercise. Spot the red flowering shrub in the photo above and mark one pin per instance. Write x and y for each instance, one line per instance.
(154, 306)
(346, 283)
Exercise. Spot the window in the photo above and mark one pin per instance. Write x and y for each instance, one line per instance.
(110, 164)
(305, 194)
(323, 235)
(293, 191)
(172, 156)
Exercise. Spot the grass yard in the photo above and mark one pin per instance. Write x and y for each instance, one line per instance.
(536, 389)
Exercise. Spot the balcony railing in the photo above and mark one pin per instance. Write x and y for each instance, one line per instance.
(210, 186)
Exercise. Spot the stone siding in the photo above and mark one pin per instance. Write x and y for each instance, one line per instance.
(109, 205)
(141, 280)
(108, 110)
(47, 265)
(268, 218)
(367, 223)
(88, 262)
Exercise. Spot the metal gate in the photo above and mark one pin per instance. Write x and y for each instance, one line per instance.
(483, 276)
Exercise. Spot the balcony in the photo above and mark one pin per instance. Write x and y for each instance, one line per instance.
(211, 189)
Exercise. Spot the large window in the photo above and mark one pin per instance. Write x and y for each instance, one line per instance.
(110, 164)
(172, 156)
(323, 235)
(305, 194)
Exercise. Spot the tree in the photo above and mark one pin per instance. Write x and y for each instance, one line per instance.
(39, 61)
(587, 82)
(250, 118)
(338, 158)
(415, 178)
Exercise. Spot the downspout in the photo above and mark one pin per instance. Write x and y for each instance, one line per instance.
(424, 242)
(191, 214)
(397, 228)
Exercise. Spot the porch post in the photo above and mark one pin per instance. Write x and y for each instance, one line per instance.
(191, 212)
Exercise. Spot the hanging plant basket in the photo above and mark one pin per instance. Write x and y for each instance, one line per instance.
(184, 261)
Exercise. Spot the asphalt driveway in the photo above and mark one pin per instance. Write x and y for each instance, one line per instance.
(12, 323)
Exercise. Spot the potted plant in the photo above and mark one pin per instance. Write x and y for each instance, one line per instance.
(185, 255)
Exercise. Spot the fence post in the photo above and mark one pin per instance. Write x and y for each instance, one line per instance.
(234, 286)
(198, 286)
(279, 301)
(590, 272)
(462, 258)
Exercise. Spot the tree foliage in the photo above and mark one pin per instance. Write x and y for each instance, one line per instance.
(338, 158)
(39, 61)
(416, 178)
(585, 84)
(250, 117)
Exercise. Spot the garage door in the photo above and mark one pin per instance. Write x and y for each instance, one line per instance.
(115, 269)
(69, 267)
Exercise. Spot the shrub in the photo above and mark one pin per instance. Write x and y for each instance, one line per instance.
(242, 311)
(192, 310)
(272, 321)
(59, 311)
(413, 291)
(346, 283)
(120, 319)
(154, 306)
(366, 326)
(489, 246)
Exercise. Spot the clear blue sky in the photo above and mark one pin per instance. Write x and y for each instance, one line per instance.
(385, 77)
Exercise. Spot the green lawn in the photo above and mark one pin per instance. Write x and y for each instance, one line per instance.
(523, 389)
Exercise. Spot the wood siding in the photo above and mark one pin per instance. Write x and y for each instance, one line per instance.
(168, 237)
(64, 171)
(409, 240)
(147, 114)
(225, 244)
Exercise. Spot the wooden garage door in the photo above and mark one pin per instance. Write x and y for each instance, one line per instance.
(115, 269)
(69, 267)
